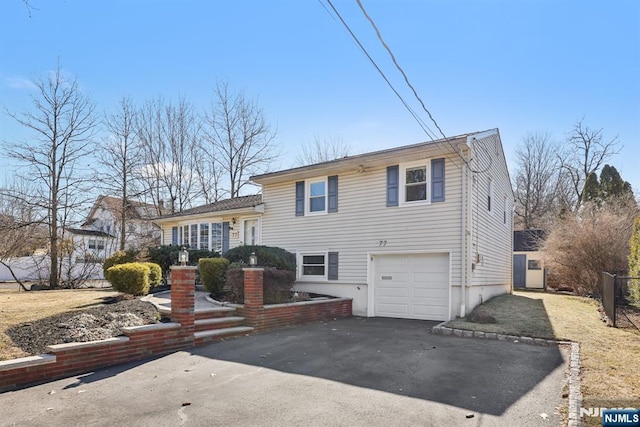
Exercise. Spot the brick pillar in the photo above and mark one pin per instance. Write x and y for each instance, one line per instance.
(254, 296)
(183, 284)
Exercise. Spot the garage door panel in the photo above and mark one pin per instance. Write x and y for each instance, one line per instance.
(414, 286)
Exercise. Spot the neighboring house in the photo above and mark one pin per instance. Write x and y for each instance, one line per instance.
(422, 231)
(106, 217)
(528, 265)
(218, 226)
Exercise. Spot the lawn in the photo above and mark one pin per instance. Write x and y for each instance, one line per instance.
(18, 307)
(610, 369)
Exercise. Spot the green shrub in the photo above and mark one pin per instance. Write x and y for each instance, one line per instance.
(155, 274)
(130, 278)
(166, 256)
(268, 256)
(277, 285)
(120, 257)
(634, 264)
(212, 273)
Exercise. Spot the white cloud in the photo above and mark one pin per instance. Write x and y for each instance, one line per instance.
(19, 83)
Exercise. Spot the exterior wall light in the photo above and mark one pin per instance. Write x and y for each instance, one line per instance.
(183, 256)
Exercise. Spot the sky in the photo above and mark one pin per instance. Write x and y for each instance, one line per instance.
(521, 66)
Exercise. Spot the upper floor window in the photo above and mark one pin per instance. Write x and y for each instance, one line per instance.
(415, 184)
(317, 196)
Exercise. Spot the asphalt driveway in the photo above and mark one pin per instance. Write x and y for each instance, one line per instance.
(346, 372)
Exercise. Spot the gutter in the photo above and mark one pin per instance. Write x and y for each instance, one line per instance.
(463, 237)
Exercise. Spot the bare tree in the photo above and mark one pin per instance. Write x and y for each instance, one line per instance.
(21, 232)
(323, 150)
(209, 175)
(586, 152)
(63, 126)
(537, 180)
(239, 135)
(170, 136)
(120, 158)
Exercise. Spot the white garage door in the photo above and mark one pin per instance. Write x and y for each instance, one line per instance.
(412, 286)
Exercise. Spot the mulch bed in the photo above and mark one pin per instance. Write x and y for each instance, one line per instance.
(92, 324)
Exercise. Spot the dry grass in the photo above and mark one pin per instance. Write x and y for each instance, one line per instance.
(610, 368)
(18, 307)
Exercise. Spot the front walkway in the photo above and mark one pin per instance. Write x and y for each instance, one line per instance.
(162, 300)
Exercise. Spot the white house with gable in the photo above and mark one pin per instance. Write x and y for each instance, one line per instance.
(422, 231)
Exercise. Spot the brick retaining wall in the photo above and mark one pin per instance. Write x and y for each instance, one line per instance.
(141, 342)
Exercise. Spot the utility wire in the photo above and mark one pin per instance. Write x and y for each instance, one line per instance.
(406, 79)
(423, 125)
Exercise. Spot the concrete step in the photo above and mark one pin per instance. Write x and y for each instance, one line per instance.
(218, 323)
(205, 337)
(213, 312)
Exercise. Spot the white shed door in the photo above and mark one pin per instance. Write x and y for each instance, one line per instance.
(412, 286)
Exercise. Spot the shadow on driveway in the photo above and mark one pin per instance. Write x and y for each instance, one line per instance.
(401, 357)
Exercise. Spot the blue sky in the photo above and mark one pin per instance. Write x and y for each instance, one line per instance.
(521, 66)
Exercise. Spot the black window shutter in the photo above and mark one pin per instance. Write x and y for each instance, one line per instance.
(300, 198)
(392, 185)
(333, 194)
(437, 180)
(225, 237)
(333, 266)
(174, 236)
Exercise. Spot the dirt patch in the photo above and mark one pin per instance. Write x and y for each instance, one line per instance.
(82, 325)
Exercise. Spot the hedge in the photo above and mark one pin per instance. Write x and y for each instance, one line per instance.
(277, 285)
(155, 274)
(212, 274)
(166, 256)
(634, 264)
(130, 278)
(120, 257)
(268, 256)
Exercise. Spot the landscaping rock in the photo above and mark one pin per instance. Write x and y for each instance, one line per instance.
(92, 324)
(480, 315)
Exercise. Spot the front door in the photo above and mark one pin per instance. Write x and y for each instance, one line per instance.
(519, 271)
(251, 233)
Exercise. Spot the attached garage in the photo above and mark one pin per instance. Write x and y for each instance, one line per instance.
(411, 286)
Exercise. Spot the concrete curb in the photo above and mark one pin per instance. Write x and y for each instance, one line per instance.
(575, 396)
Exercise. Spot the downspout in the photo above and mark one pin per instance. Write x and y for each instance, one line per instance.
(463, 237)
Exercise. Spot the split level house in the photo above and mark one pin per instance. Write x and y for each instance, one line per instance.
(422, 231)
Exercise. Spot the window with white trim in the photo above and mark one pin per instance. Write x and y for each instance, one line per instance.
(317, 199)
(414, 183)
(313, 265)
(216, 236)
(204, 237)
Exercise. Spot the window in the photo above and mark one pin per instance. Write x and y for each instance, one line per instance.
(193, 236)
(319, 266)
(504, 213)
(204, 237)
(317, 196)
(96, 244)
(100, 245)
(185, 235)
(415, 184)
(321, 196)
(216, 237)
(534, 264)
(313, 265)
(489, 194)
(92, 244)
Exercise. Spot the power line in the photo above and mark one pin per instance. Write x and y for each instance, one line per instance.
(421, 123)
(430, 133)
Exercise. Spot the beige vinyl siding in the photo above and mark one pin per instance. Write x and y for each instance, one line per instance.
(491, 237)
(363, 220)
